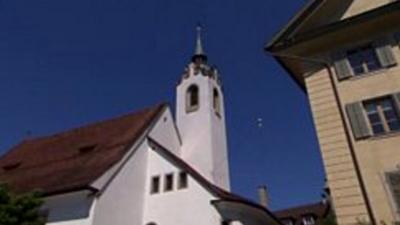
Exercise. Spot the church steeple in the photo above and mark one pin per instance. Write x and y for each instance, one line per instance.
(200, 118)
(199, 54)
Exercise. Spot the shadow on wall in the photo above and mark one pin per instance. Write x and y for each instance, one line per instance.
(73, 206)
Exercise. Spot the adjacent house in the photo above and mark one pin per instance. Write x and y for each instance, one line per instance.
(310, 214)
(345, 56)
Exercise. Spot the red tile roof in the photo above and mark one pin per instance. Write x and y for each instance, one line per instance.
(73, 159)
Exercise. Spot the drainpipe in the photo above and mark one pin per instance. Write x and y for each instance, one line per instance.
(327, 66)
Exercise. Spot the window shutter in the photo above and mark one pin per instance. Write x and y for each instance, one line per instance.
(342, 66)
(384, 52)
(396, 98)
(393, 179)
(358, 121)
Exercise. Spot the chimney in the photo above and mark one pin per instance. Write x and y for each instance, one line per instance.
(263, 195)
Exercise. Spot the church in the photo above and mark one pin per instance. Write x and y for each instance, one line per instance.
(148, 167)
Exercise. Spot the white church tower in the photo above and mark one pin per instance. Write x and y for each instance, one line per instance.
(200, 118)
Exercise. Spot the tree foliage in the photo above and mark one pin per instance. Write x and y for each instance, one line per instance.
(20, 209)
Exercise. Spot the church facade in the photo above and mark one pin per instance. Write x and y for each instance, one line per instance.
(143, 168)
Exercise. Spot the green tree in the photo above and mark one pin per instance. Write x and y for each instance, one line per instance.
(20, 209)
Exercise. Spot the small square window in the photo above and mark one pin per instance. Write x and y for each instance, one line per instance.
(183, 180)
(169, 182)
(155, 185)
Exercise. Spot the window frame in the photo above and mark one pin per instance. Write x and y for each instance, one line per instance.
(168, 184)
(381, 114)
(216, 101)
(360, 52)
(152, 184)
(190, 91)
(185, 184)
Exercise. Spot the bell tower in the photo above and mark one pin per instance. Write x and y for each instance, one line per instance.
(200, 116)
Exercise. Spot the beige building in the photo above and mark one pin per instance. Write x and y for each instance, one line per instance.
(345, 55)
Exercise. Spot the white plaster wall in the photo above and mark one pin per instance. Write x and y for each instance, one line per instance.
(166, 133)
(203, 133)
(70, 209)
(177, 207)
(122, 201)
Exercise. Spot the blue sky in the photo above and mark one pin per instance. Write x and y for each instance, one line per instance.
(68, 63)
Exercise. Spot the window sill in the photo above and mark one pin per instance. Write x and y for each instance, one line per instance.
(368, 74)
(385, 135)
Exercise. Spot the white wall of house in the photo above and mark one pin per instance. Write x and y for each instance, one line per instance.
(122, 201)
(179, 206)
(70, 209)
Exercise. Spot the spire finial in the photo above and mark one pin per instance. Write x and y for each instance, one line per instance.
(199, 44)
(199, 51)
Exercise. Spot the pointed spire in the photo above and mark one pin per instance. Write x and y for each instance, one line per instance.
(199, 44)
(199, 54)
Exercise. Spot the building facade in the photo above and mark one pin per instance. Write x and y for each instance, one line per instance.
(345, 55)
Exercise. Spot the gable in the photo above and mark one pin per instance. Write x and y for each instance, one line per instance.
(166, 132)
(73, 159)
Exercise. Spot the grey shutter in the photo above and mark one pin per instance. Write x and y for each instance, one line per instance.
(342, 66)
(384, 52)
(396, 98)
(358, 121)
(393, 179)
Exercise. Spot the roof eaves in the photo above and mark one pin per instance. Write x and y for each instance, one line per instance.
(293, 23)
(357, 19)
(70, 190)
(249, 203)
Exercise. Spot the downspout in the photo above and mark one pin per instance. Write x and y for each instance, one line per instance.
(327, 66)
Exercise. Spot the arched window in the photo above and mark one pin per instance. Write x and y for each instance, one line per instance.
(192, 98)
(151, 223)
(216, 102)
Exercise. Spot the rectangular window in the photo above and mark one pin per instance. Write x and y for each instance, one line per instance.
(155, 185)
(169, 182)
(382, 115)
(183, 180)
(393, 179)
(363, 60)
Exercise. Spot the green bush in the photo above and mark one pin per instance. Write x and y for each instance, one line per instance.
(20, 209)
